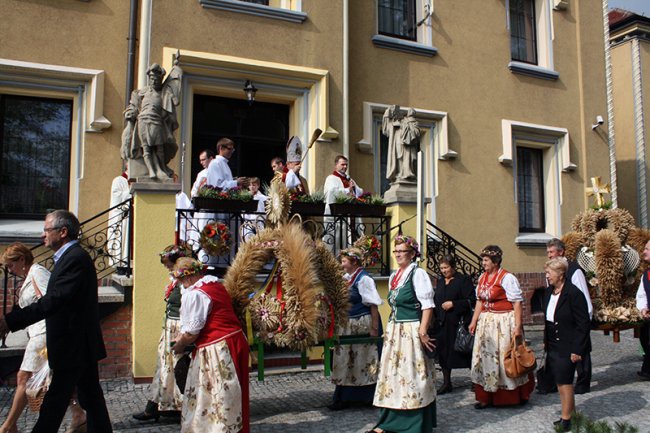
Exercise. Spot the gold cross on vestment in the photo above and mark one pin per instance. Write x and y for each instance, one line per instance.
(598, 190)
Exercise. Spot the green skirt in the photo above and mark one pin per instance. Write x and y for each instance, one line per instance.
(421, 420)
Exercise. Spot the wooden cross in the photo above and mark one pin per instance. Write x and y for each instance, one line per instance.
(598, 190)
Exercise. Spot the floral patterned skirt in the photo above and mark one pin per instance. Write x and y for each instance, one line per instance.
(163, 387)
(215, 399)
(492, 339)
(407, 377)
(355, 364)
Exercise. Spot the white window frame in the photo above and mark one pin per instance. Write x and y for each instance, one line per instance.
(85, 87)
(423, 45)
(305, 90)
(545, 67)
(554, 143)
(285, 10)
(434, 143)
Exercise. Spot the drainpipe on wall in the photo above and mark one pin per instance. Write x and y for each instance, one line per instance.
(346, 93)
(145, 42)
(611, 142)
(639, 133)
(130, 57)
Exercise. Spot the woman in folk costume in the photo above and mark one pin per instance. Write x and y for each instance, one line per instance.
(165, 395)
(216, 392)
(355, 366)
(406, 389)
(497, 318)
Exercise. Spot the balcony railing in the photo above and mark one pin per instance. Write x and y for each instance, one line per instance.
(440, 243)
(336, 231)
(106, 236)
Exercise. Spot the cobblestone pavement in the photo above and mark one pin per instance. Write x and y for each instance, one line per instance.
(295, 402)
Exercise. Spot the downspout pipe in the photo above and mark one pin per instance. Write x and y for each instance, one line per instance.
(346, 80)
(130, 57)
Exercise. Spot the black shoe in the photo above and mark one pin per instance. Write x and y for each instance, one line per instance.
(150, 413)
(643, 375)
(480, 406)
(338, 405)
(175, 414)
(444, 389)
(581, 390)
(564, 423)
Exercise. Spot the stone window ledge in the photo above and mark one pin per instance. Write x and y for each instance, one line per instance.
(411, 47)
(255, 9)
(28, 232)
(533, 239)
(533, 71)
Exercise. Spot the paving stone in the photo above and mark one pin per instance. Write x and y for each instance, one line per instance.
(295, 402)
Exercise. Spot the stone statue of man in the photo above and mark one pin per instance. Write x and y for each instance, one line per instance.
(403, 144)
(148, 136)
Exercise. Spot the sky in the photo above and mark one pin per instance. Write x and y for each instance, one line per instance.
(640, 7)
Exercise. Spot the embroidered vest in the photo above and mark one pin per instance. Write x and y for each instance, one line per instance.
(221, 320)
(492, 294)
(403, 302)
(173, 307)
(357, 309)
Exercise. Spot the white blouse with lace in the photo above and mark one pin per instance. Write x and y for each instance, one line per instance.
(195, 306)
(421, 284)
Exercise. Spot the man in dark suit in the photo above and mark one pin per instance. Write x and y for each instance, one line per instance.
(74, 337)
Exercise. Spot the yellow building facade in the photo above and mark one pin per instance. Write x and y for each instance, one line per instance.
(505, 94)
(630, 48)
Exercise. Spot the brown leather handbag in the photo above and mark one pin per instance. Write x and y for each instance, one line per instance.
(519, 359)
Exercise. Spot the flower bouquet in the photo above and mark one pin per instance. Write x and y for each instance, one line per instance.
(215, 238)
(371, 248)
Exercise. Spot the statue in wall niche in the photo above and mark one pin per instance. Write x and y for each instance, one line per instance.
(148, 142)
(403, 135)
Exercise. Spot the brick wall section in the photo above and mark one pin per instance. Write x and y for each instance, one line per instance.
(116, 329)
(529, 283)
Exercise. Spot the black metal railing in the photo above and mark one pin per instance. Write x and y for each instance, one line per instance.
(106, 236)
(336, 231)
(440, 243)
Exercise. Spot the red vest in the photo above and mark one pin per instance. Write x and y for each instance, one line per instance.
(222, 320)
(492, 294)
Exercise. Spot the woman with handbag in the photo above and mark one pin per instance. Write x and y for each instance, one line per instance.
(566, 334)
(496, 320)
(406, 386)
(19, 261)
(454, 298)
(355, 366)
(216, 392)
(165, 394)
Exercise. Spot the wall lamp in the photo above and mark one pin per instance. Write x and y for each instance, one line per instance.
(250, 91)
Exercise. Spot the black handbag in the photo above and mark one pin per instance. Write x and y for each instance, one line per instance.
(182, 367)
(464, 340)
